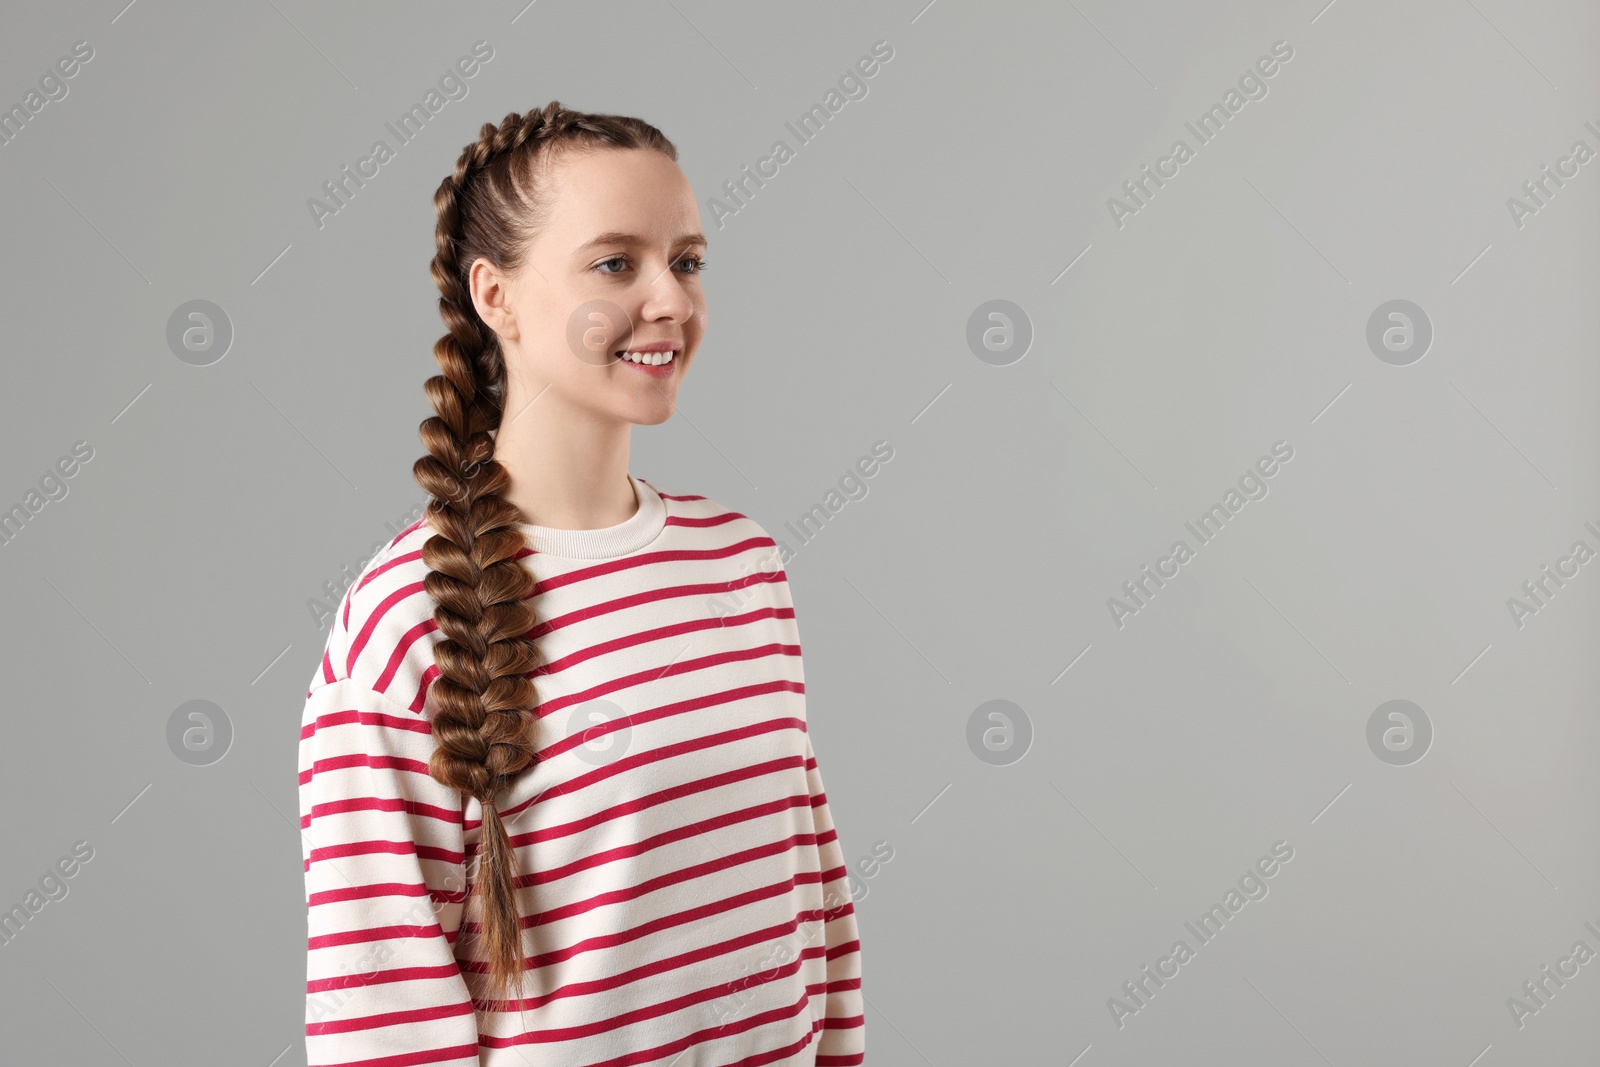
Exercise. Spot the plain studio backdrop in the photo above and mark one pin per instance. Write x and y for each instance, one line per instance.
(1342, 345)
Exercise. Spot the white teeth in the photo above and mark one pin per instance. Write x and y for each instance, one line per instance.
(653, 359)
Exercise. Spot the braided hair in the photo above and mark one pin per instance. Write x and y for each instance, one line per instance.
(490, 207)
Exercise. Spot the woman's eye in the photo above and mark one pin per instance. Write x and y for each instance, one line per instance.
(697, 264)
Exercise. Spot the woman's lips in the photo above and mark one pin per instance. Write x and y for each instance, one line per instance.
(658, 370)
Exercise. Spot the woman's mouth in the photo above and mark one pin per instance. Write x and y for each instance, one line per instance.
(657, 364)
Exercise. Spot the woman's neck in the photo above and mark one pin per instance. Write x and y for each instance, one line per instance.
(568, 470)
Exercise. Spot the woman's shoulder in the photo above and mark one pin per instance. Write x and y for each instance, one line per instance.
(381, 634)
(708, 520)
(728, 545)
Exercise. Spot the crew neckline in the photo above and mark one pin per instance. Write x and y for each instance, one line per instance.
(606, 542)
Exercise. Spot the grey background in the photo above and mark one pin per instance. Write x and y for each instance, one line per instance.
(1228, 314)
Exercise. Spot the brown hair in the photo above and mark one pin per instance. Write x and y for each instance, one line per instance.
(490, 207)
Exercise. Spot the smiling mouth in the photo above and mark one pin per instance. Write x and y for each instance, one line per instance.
(648, 359)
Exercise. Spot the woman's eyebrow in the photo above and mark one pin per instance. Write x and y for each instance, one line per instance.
(617, 238)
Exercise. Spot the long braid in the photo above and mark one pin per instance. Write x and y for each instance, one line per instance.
(489, 207)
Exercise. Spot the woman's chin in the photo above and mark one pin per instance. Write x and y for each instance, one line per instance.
(651, 408)
(654, 415)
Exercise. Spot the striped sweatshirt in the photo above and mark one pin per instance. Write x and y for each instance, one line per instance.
(683, 895)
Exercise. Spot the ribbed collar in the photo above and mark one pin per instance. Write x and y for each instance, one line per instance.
(606, 542)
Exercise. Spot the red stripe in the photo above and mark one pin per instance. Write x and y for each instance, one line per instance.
(645, 970)
(398, 655)
(666, 837)
(366, 803)
(391, 563)
(390, 1018)
(630, 807)
(367, 892)
(376, 933)
(683, 666)
(672, 1047)
(431, 675)
(707, 520)
(345, 716)
(660, 633)
(644, 559)
(396, 560)
(661, 881)
(373, 618)
(378, 848)
(846, 948)
(398, 974)
(646, 596)
(381, 848)
(634, 759)
(362, 759)
(546, 1035)
(697, 913)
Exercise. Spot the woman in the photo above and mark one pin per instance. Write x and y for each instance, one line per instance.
(558, 800)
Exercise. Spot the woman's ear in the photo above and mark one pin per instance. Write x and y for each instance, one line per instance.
(490, 292)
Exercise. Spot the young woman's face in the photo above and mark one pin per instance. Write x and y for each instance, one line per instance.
(616, 268)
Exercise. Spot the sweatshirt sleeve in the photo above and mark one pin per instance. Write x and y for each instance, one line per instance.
(842, 1042)
(383, 851)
